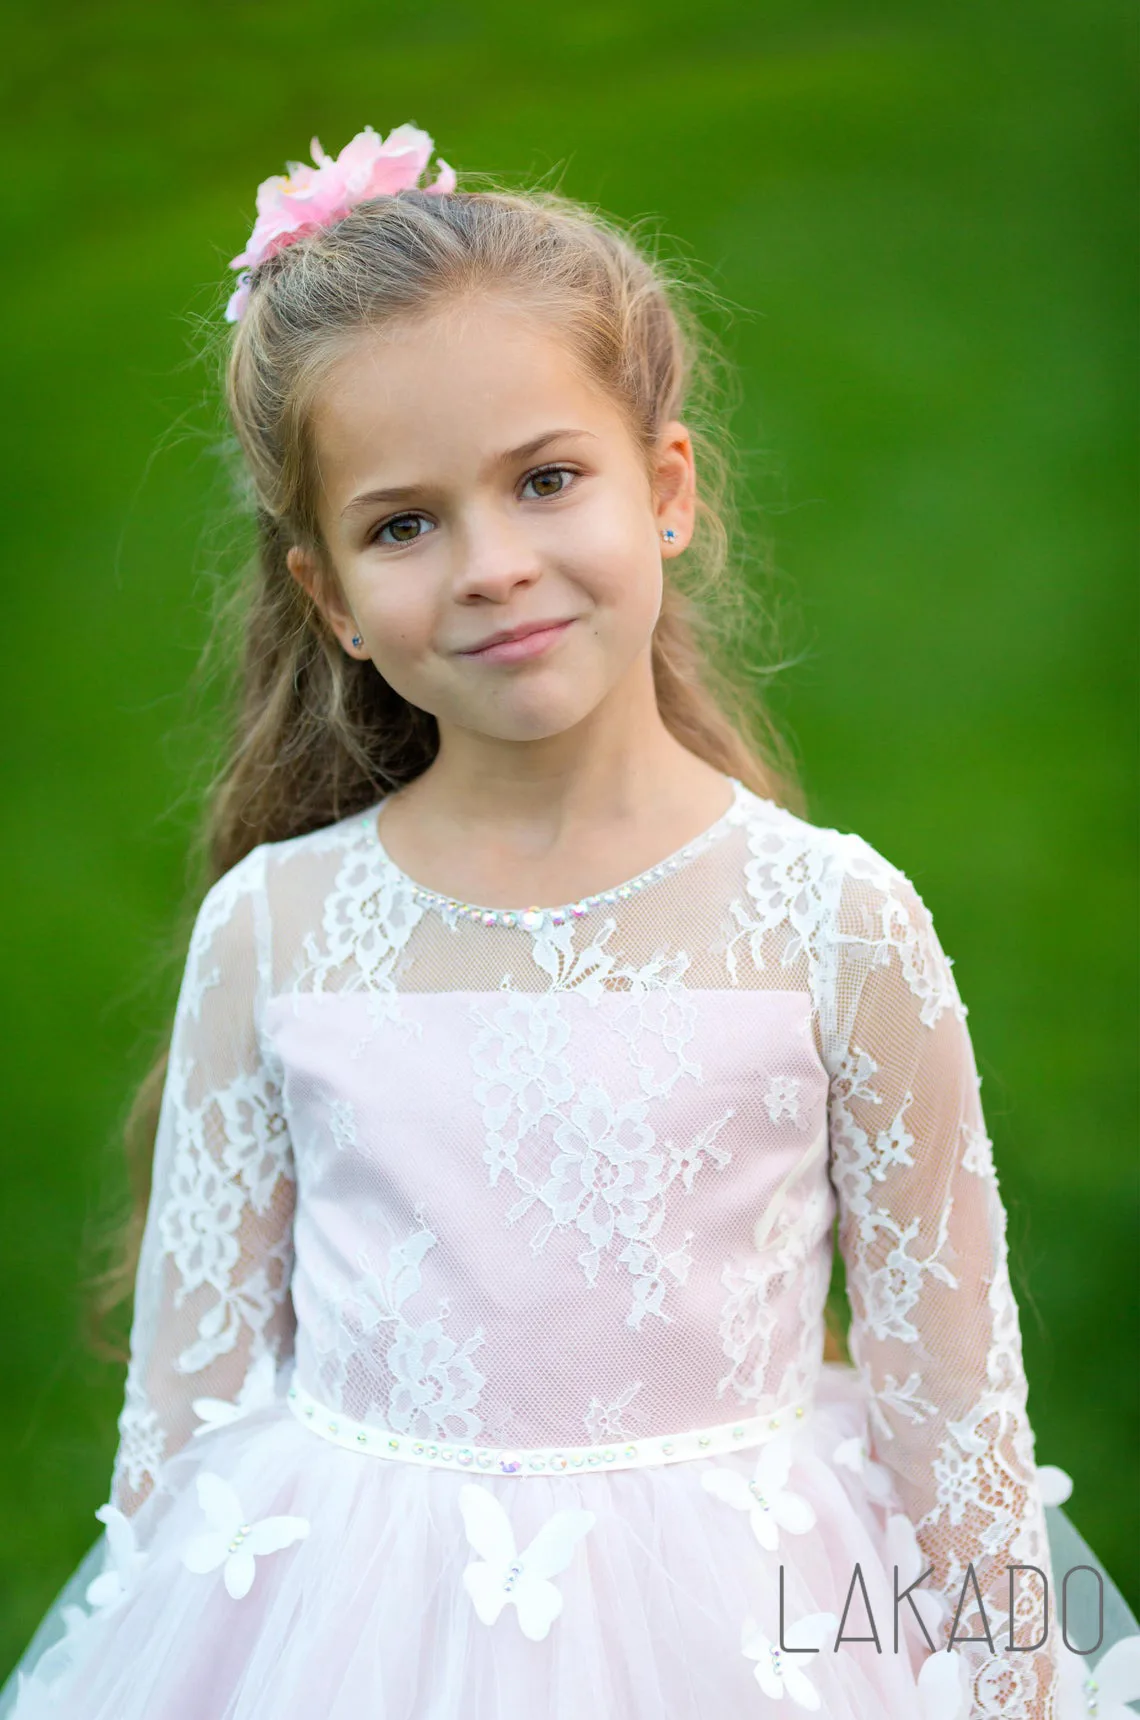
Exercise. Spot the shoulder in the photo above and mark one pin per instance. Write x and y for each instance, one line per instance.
(260, 870)
(824, 857)
(223, 936)
(353, 830)
(233, 928)
(860, 908)
(277, 892)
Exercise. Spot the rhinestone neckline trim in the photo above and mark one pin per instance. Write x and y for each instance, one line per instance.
(621, 1453)
(534, 919)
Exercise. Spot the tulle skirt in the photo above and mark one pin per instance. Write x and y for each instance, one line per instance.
(668, 1608)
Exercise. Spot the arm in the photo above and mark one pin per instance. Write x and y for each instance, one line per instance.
(212, 1290)
(935, 1331)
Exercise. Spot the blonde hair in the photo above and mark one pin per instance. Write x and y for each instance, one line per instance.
(318, 735)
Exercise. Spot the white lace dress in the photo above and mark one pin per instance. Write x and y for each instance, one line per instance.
(476, 1367)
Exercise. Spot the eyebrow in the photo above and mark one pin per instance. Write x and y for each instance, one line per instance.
(404, 492)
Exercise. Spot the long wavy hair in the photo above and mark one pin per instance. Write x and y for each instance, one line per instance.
(315, 735)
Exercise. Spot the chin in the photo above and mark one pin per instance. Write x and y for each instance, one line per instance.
(538, 730)
(534, 709)
(539, 720)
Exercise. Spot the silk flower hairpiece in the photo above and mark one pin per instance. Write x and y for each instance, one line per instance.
(307, 198)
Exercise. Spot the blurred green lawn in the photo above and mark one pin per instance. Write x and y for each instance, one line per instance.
(926, 213)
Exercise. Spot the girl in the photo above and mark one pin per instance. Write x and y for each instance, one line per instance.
(530, 1044)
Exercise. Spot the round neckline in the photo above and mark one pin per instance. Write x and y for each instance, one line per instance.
(534, 915)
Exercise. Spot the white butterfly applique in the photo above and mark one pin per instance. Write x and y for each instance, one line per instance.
(233, 1542)
(1056, 1484)
(38, 1694)
(123, 1563)
(852, 1454)
(770, 1505)
(257, 1390)
(778, 1670)
(1105, 1689)
(943, 1681)
(944, 1686)
(503, 1574)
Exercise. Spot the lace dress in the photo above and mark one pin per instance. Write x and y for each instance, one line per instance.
(477, 1359)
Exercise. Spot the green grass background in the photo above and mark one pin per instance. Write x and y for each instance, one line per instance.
(925, 213)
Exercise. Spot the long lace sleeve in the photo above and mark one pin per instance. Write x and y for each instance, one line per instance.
(935, 1331)
(212, 1290)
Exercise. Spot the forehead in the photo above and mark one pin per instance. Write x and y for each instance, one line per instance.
(433, 396)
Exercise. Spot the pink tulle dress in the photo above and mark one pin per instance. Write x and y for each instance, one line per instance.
(477, 1359)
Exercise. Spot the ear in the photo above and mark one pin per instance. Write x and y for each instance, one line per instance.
(309, 574)
(675, 486)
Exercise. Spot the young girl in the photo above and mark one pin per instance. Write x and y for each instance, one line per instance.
(531, 1043)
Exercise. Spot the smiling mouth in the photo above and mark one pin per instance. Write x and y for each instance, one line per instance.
(520, 645)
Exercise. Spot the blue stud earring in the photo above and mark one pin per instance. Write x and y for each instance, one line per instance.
(669, 535)
(356, 639)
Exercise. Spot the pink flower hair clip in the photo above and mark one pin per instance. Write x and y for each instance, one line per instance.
(308, 198)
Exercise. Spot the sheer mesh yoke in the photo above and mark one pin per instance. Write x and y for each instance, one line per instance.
(579, 1177)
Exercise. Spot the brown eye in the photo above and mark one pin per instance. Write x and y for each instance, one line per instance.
(398, 526)
(548, 477)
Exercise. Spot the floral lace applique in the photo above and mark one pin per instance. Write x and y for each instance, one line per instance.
(594, 1164)
(977, 1151)
(904, 1399)
(142, 1438)
(604, 1421)
(747, 1325)
(786, 878)
(207, 1200)
(342, 1125)
(428, 1380)
(898, 928)
(686, 1161)
(657, 1018)
(369, 916)
(892, 1291)
(783, 1100)
(339, 1136)
(651, 1266)
(584, 971)
(752, 1315)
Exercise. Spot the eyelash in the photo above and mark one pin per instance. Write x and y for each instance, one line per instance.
(539, 472)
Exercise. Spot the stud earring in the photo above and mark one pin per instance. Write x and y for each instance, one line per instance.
(356, 639)
(669, 535)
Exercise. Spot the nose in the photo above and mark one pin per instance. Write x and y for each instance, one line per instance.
(494, 554)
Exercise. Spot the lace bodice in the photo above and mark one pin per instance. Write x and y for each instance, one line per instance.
(562, 1175)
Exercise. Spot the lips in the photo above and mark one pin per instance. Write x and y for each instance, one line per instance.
(508, 635)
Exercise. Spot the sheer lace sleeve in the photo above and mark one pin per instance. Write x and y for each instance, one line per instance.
(212, 1291)
(935, 1331)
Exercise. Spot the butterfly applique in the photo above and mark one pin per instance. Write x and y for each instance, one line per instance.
(502, 1574)
(770, 1505)
(231, 1541)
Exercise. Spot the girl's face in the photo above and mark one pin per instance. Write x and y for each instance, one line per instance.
(474, 484)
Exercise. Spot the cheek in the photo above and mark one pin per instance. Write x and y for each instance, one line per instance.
(618, 560)
(398, 617)
(628, 588)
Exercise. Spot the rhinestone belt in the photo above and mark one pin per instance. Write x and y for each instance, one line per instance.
(647, 1453)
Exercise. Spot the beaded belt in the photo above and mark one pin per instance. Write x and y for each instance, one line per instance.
(543, 1459)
